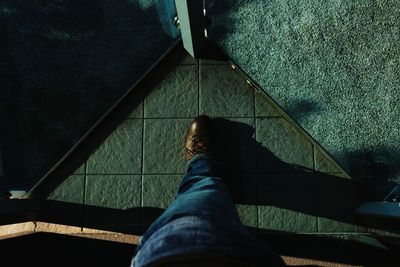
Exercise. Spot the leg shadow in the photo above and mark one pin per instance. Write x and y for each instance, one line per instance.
(256, 176)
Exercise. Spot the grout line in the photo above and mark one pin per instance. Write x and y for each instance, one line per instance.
(313, 156)
(142, 155)
(119, 174)
(148, 174)
(243, 173)
(225, 117)
(255, 158)
(216, 64)
(257, 217)
(141, 190)
(270, 117)
(142, 166)
(84, 196)
(316, 194)
(254, 101)
(84, 184)
(339, 233)
(255, 138)
(257, 198)
(130, 174)
(169, 118)
(278, 173)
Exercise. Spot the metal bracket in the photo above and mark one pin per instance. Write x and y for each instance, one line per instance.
(191, 16)
(385, 213)
(17, 194)
(394, 195)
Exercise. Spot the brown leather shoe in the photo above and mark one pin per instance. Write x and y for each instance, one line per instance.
(198, 137)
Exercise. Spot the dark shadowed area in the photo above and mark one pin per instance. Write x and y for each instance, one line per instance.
(63, 66)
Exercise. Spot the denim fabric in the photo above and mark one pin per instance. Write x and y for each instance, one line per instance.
(201, 219)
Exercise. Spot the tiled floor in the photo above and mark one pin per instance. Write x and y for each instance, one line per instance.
(129, 168)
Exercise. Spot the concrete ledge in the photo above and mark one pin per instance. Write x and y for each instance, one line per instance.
(19, 229)
(16, 229)
(293, 261)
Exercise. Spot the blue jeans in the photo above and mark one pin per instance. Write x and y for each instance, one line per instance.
(201, 219)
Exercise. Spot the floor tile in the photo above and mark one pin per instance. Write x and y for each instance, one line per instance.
(287, 202)
(282, 147)
(121, 152)
(264, 107)
(81, 169)
(323, 164)
(175, 96)
(113, 191)
(278, 219)
(326, 225)
(179, 56)
(70, 190)
(164, 146)
(64, 204)
(244, 189)
(75, 162)
(111, 203)
(224, 93)
(289, 191)
(248, 214)
(189, 60)
(136, 112)
(131, 107)
(213, 62)
(236, 144)
(128, 111)
(337, 200)
(159, 190)
(268, 161)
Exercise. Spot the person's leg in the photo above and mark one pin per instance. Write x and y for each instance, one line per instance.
(202, 218)
(201, 192)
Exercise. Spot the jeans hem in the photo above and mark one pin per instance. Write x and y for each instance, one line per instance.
(194, 159)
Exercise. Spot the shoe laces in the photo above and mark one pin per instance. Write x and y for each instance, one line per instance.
(198, 145)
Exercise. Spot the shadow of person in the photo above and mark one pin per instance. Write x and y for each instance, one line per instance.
(256, 176)
(11, 148)
(67, 64)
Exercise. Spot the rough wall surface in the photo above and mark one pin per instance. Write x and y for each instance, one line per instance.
(333, 66)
